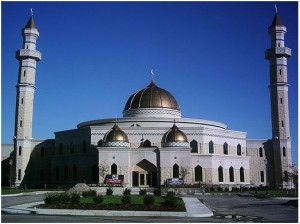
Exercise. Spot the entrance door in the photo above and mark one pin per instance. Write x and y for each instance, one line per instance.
(145, 179)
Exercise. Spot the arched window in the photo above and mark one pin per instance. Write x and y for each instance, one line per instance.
(194, 146)
(225, 148)
(260, 152)
(283, 151)
(114, 169)
(20, 150)
(72, 148)
(60, 148)
(57, 173)
(66, 173)
(84, 146)
(242, 176)
(175, 171)
(239, 150)
(147, 143)
(95, 173)
(42, 152)
(100, 142)
(220, 173)
(211, 147)
(198, 173)
(231, 174)
(74, 172)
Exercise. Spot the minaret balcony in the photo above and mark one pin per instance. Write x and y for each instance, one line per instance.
(27, 53)
(278, 52)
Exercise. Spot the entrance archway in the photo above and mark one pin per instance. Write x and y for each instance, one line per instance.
(144, 174)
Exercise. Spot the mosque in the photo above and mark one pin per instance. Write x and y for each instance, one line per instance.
(152, 142)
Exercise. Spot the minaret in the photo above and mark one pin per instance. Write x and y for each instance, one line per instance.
(278, 55)
(27, 56)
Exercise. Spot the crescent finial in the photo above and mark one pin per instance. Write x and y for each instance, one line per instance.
(152, 75)
(276, 8)
(31, 12)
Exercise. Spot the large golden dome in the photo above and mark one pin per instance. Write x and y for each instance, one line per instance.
(153, 101)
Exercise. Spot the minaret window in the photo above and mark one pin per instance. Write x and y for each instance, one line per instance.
(19, 174)
(22, 100)
(260, 152)
(282, 124)
(281, 100)
(262, 176)
(283, 152)
(24, 73)
(20, 150)
(21, 123)
(279, 71)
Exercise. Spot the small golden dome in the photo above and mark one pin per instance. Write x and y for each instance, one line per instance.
(174, 135)
(115, 135)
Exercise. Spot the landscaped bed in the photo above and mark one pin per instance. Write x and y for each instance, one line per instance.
(115, 202)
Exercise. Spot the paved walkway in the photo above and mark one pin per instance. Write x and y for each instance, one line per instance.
(194, 208)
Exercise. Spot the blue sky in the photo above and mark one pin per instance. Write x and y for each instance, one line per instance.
(209, 55)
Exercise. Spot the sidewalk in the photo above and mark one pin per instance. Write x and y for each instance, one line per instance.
(194, 208)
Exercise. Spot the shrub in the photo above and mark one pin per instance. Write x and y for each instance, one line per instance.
(109, 191)
(75, 198)
(143, 192)
(171, 194)
(98, 199)
(64, 198)
(157, 192)
(52, 199)
(149, 200)
(126, 199)
(171, 202)
(90, 193)
(127, 192)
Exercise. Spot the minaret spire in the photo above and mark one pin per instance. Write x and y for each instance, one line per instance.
(278, 55)
(275, 8)
(28, 56)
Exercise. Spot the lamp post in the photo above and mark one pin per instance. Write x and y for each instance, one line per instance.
(10, 174)
(266, 164)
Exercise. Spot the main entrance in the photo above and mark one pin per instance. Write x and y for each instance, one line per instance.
(144, 174)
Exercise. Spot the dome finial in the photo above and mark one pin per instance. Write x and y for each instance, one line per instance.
(276, 9)
(152, 75)
(31, 11)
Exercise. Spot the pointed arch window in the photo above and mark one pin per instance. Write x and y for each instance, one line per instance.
(194, 146)
(175, 171)
(57, 173)
(211, 147)
(198, 173)
(242, 175)
(239, 150)
(147, 143)
(60, 148)
(74, 172)
(220, 174)
(66, 173)
(231, 174)
(225, 148)
(84, 146)
(114, 169)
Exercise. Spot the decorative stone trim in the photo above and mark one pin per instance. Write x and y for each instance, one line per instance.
(116, 144)
(175, 144)
(157, 112)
